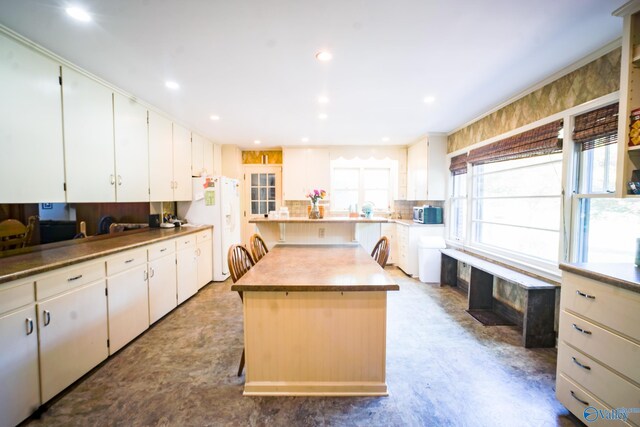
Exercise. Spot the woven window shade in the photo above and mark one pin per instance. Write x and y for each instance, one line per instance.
(535, 142)
(458, 164)
(597, 128)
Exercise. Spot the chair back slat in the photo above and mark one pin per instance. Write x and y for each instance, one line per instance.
(381, 251)
(258, 247)
(240, 261)
(13, 234)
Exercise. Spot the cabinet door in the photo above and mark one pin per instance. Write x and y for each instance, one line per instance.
(160, 158)
(162, 287)
(207, 158)
(88, 139)
(317, 170)
(437, 168)
(73, 336)
(187, 274)
(30, 126)
(294, 173)
(181, 163)
(197, 151)
(205, 263)
(20, 390)
(417, 171)
(217, 160)
(128, 300)
(132, 150)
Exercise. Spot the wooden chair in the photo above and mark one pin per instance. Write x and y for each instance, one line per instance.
(258, 247)
(14, 234)
(381, 251)
(240, 261)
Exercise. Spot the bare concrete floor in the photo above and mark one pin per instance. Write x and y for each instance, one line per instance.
(443, 369)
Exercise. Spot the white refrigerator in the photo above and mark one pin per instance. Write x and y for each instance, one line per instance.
(216, 201)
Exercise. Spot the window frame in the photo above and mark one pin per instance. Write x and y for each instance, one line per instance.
(361, 165)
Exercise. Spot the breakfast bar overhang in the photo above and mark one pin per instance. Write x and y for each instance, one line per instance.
(315, 322)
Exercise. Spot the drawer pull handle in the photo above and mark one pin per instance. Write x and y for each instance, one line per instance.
(579, 329)
(47, 317)
(71, 279)
(584, 402)
(588, 368)
(146, 275)
(152, 271)
(129, 260)
(187, 242)
(582, 294)
(29, 322)
(163, 249)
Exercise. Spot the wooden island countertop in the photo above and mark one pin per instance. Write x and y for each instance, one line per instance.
(316, 268)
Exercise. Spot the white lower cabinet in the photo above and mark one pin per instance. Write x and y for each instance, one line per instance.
(162, 279)
(389, 230)
(19, 383)
(204, 252)
(187, 263)
(73, 336)
(128, 298)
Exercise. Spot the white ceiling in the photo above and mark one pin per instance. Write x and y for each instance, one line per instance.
(252, 61)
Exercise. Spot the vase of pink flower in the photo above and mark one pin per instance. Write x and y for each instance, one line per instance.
(314, 196)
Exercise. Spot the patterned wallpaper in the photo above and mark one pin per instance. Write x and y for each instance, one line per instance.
(255, 157)
(597, 78)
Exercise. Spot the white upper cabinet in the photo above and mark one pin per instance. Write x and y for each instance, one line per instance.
(30, 126)
(207, 158)
(132, 152)
(426, 169)
(88, 139)
(181, 163)
(217, 159)
(160, 158)
(304, 169)
(202, 157)
(197, 151)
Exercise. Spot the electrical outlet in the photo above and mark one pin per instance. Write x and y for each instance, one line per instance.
(321, 233)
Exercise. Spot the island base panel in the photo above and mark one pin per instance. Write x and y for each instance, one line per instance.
(315, 343)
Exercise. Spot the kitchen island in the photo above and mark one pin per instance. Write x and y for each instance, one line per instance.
(315, 322)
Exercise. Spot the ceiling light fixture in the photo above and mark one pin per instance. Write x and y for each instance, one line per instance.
(78, 14)
(322, 116)
(323, 100)
(257, 142)
(172, 85)
(429, 99)
(305, 139)
(386, 139)
(215, 118)
(324, 56)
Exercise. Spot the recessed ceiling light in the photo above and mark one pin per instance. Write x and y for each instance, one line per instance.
(257, 142)
(215, 118)
(78, 14)
(305, 139)
(323, 100)
(172, 85)
(386, 139)
(324, 55)
(429, 99)
(322, 116)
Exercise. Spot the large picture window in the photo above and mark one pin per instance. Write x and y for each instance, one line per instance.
(516, 206)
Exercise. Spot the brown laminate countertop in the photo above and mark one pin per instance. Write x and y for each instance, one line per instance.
(40, 261)
(622, 275)
(331, 219)
(316, 268)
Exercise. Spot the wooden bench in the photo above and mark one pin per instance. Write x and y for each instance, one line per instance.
(539, 306)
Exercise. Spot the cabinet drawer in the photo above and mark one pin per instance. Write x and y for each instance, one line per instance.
(161, 249)
(125, 261)
(614, 307)
(186, 242)
(16, 294)
(598, 380)
(68, 278)
(576, 399)
(203, 236)
(610, 349)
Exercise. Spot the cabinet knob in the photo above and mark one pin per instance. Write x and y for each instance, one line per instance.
(119, 179)
(112, 179)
